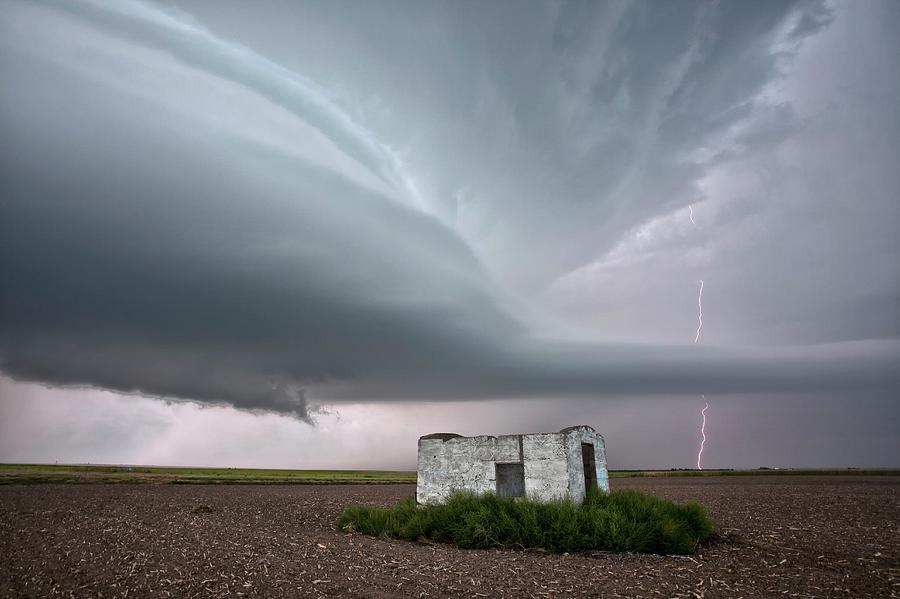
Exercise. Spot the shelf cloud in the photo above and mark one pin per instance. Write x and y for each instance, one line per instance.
(183, 217)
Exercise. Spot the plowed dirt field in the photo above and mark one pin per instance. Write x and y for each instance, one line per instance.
(777, 536)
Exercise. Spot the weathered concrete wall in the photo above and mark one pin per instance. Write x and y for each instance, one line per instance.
(545, 459)
(552, 463)
(461, 463)
(575, 436)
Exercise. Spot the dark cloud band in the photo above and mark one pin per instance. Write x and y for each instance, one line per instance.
(145, 250)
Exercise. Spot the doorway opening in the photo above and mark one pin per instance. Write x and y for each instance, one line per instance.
(590, 467)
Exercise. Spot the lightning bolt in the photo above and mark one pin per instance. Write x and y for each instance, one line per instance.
(697, 340)
(705, 407)
(699, 313)
(702, 433)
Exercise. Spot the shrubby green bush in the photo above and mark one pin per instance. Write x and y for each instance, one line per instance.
(617, 521)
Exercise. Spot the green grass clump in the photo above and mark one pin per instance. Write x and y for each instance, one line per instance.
(618, 521)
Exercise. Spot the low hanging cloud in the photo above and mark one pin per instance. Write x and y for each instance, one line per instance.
(184, 218)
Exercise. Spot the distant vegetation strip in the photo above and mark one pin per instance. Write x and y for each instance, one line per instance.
(620, 521)
(88, 473)
(761, 472)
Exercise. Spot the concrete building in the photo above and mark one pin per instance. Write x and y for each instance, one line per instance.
(542, 466)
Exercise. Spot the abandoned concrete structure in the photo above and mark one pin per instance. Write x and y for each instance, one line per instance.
(543, 466)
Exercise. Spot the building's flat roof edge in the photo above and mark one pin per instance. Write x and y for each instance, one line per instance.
(449, 436)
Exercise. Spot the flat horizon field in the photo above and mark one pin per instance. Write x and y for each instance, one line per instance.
(125, 473)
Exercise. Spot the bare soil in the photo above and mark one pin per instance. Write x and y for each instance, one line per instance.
(778, 536)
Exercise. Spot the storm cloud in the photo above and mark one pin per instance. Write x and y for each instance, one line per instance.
(463, 205)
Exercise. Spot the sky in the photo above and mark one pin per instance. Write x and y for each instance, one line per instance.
(305, 234)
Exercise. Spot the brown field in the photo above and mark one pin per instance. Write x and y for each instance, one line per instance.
(783, 536)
